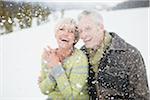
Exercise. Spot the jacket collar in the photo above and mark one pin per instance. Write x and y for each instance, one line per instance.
(117, 42)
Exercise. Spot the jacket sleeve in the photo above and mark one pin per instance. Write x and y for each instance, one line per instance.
(47, 83)
(71, 85)
(79, 74)
(55, 95)
(138, 78)
(62, 81)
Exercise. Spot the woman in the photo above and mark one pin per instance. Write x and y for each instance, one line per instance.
(64, 69)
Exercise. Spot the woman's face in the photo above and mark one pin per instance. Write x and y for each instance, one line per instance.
(65, 36)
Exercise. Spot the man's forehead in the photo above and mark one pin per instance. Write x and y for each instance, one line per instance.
(86, 20)
(86, 24)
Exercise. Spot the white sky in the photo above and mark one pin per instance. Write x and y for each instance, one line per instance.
(107, 2)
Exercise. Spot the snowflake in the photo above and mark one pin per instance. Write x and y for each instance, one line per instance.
(81, 93)
(112, 98)
(47, 91)
(93, 82)
(78, 85)
(9, 21)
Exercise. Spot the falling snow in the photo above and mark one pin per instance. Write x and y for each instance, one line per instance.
(32, 61)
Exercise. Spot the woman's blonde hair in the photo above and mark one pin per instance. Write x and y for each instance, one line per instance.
(73, 26)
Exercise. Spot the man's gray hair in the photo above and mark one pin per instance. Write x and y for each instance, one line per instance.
(97, 17)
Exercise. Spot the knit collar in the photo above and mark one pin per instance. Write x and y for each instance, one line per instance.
(94, 57)
(117, 42)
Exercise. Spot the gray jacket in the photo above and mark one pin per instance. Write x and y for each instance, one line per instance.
(121, 74)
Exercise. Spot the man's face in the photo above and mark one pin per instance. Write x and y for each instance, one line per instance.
(65, 36)
(90, 32)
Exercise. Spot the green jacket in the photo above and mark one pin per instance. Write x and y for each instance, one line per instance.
(68, 81)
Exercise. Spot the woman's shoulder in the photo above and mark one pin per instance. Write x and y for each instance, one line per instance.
(79, 52)
(79, 56)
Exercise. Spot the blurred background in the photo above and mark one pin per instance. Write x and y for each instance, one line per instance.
(27, 26)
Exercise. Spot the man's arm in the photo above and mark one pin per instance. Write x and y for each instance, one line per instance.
(138, 78)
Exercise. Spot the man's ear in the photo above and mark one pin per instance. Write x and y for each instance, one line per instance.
(100, 27)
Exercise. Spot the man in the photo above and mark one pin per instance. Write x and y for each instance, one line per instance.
(116, 68)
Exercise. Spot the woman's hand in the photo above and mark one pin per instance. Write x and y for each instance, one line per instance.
(50, 57)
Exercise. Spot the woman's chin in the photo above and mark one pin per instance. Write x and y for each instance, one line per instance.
(63, 46)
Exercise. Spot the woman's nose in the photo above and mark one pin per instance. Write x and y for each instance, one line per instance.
(64, 32)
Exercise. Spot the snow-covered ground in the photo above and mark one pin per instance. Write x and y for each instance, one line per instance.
(20, 51)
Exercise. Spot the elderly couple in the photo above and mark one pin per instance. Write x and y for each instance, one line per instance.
(105, 68)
